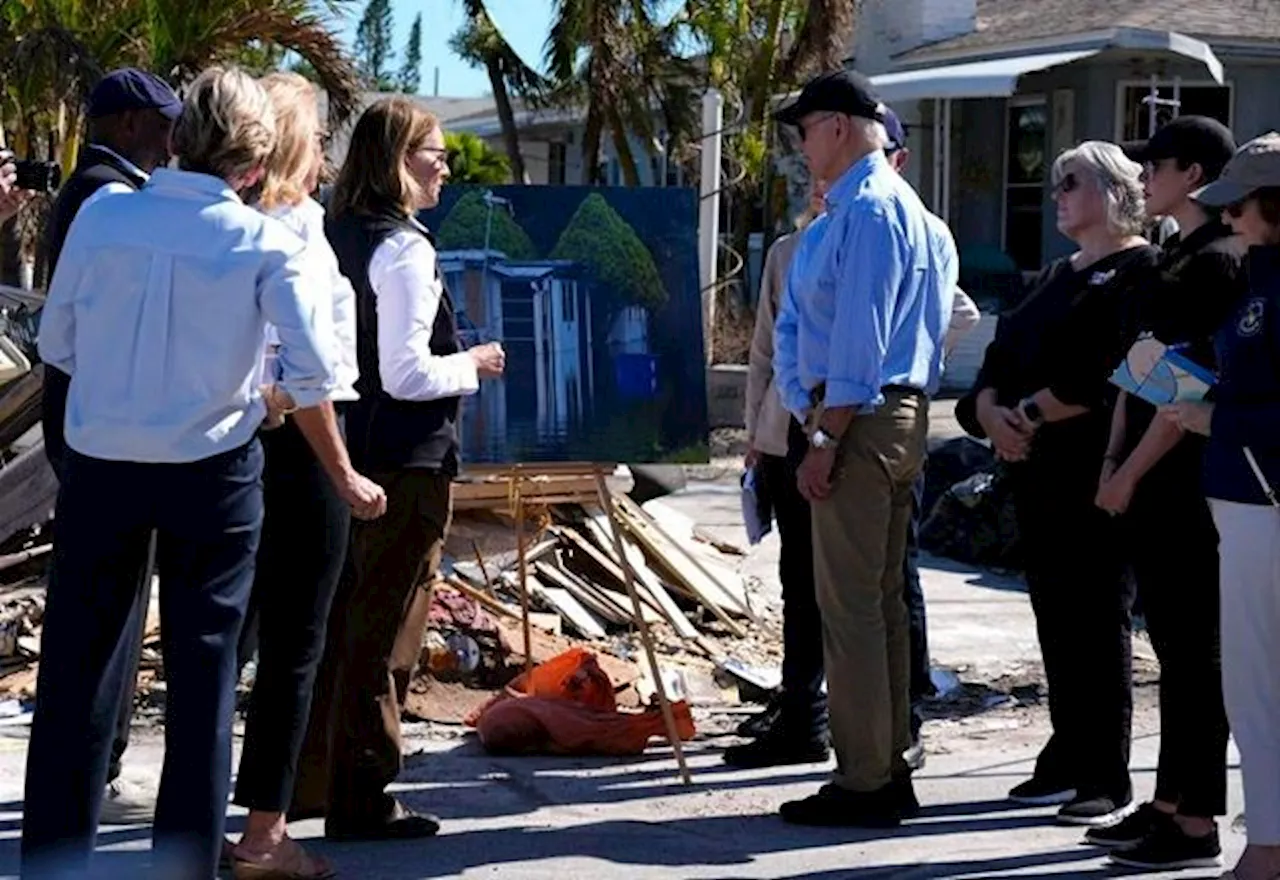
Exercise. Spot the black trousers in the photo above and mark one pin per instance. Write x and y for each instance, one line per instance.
(304, 543)
(208, 515)
(1083, 604)
(804, 706)
(1173, 548)
(921, 682)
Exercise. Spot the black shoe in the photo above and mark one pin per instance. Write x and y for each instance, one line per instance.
(915, 756)
(776, 750)
(1130, 831)
(904, 794)
(401, 823)
(1096, 811)
(763, 721)
(835, 807)
(1169, 848)
(1042, 793)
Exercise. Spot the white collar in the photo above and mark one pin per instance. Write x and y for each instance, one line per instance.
(128, 166)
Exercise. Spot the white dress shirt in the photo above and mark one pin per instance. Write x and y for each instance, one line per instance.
(157, 311)
(403, 276)
(306, 219)
(113, 187)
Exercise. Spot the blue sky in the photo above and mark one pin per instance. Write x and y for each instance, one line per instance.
(524, 23)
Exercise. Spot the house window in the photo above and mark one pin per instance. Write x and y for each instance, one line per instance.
(1026, 169)
(557, 163)
(1137, 99)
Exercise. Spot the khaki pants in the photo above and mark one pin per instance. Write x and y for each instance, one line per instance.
(859, 541)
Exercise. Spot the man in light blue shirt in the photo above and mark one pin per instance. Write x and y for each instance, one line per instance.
(858, 350)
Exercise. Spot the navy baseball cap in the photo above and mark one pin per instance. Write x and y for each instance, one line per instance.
(840, 91)
(131, 89)
(897, 131)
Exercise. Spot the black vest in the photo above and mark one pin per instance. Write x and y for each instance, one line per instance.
(94, 170)
(384, 433)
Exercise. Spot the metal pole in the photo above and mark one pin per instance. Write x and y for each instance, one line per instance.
(709, 209)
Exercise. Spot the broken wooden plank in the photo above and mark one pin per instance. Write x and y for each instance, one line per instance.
(28, 492)
(663, 551)
(677, 529)
(595, 603)
(9, 560)
(569, 608)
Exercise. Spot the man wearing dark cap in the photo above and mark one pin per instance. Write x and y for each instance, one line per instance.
(859, 350)
(131, 114)
(1151, 478)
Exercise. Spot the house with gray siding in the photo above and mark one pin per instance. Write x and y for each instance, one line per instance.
(993, 90)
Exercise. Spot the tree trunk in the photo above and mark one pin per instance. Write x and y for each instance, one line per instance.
(506, 116)
(591, 146)
(626, 158)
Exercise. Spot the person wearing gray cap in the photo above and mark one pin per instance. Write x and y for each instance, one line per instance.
(131, 114)
(859, 345)
(1241, 473)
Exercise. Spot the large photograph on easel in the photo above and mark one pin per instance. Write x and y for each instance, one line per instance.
(593, 294)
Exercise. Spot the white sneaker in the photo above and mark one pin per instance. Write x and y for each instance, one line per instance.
(126, 803)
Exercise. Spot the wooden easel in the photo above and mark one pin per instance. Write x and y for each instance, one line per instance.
(545, 484)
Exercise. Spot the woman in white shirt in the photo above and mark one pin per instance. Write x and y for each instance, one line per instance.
(403, 433)
(157, 312)
(307, 521)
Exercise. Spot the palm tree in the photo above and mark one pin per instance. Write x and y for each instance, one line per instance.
(481, 43)
(624, 64)
(53, 51)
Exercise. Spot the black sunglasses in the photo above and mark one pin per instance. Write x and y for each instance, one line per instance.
(800, 126)
(1068, 183)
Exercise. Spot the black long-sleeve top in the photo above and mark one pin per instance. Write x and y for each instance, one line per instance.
(1067, 336)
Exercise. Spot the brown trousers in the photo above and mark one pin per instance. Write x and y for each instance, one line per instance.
(379, 617)
(859, 542)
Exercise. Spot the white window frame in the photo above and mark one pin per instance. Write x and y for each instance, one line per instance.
(1011, 104)
(1174, 82)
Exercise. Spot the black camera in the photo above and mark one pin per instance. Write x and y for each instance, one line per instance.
(38, 176)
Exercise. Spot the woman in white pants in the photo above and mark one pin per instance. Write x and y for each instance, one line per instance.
(1242, 464)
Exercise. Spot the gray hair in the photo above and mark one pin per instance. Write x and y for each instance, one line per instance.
(1118, 178)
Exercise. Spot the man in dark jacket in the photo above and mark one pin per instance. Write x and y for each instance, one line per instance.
(131, 114)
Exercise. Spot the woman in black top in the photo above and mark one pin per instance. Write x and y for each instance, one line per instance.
(1242, 467)
(1042, 397)
(1151, 475)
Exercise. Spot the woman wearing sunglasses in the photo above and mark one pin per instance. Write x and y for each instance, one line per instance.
(1242, 467)
(403, 433)
(1042, 397)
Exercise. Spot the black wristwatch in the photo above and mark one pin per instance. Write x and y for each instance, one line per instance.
(1032, 411)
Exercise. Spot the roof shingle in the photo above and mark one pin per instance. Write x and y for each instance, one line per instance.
(1012, 21)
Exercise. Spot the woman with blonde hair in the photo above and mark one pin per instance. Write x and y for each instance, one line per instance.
(403, 432)
(157, 313)
(308, 514)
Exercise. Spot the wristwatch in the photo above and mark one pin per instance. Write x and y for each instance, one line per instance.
(822, 440)
(1032, 411)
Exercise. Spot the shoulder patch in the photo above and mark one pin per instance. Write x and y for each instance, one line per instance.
(1250, 322)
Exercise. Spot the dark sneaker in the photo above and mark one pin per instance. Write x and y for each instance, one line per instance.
(904, 795)
(1169, 848)
(1042, 793)
(1096, 812)
(763, 721)
(776, 750)
(399, 823)
(914, 756)
(834, 807)
(1130, 831)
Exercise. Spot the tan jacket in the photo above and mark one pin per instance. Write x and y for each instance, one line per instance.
(767, 420)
